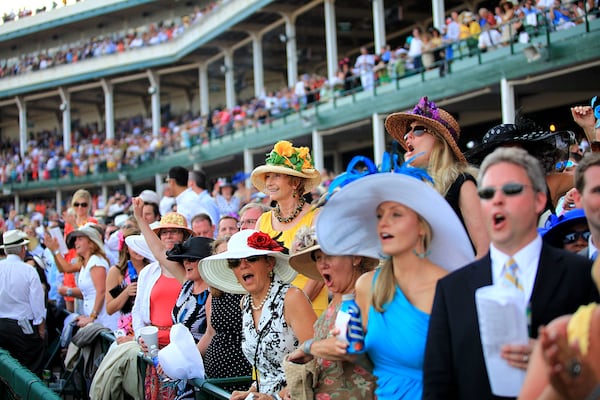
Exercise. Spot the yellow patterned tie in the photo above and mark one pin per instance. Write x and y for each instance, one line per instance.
(511, 277)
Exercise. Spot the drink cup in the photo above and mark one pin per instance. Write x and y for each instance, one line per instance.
(150, 335)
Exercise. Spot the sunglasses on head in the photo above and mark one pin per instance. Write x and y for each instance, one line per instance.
(574, 236)
(417, 130)
(235, 262)
(509, 189)
(80, 205)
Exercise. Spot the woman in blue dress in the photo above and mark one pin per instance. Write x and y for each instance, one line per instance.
(407, 222)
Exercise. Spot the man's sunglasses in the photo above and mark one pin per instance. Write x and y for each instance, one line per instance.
(235, 262)
(509, 189)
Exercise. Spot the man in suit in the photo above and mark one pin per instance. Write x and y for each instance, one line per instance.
(587, 183)
(554, 282)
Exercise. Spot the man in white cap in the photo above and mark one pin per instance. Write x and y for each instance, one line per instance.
(150, 210)
(22, 309)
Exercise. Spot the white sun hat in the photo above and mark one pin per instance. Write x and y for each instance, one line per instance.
(181, 359)
(243, 244)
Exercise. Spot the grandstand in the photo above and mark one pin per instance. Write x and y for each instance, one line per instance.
(230, 51)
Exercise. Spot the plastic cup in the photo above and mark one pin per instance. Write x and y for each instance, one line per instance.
(150, 335)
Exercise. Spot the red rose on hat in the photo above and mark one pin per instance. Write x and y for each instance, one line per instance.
(262, 241)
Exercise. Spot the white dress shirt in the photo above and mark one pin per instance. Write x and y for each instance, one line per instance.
(21, 291)
(189, 205)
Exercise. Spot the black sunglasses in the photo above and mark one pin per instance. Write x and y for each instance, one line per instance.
(417, 130)
(235, 262)
(80, 205)
(574, 236)
(509, 189)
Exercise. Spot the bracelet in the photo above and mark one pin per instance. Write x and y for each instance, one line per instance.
(69, 292)
(56, 252)
(306, 346)
(94, 314)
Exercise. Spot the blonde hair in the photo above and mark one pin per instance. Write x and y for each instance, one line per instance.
(444, 168)
(82, 193)
(385, 285)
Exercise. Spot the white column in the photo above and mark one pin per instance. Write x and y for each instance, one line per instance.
(128, 189)
(248, 165)
(65, 107)
(378, 25)
(158, 182)
(154, 91)
(507, 96)
(378, 139)
(290, 49)
(109, 108)
(229, 80)
(331, 39)
(204, 90)
(104, 193)
(317, 150)
(58, 201)
(338, 167)
(22, 106)
(439, 11)
(17, 203)
(258, 66)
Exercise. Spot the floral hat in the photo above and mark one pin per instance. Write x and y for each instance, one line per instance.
(437, 120)
(302, 259)
(288, 160)
(173, 220)
(243, 244)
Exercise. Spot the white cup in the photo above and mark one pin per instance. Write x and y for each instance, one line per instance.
(150, 335)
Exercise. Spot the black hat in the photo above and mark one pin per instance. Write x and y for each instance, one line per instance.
(180, 174)
(196, 247)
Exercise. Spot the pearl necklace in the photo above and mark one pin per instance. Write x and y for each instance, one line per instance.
(297, 211)
(262, 303)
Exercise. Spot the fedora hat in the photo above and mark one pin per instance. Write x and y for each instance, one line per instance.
(14, 238)
(287, 160)
(138, 244)
(87, 231)
(172, 220)
(243, 244)
(347, 224)
(556, 227)
(435, 119)
(180, 359)
(195, 247)
(302, 259)
(526, 134)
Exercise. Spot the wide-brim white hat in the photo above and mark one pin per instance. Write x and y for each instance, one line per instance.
(138, 244)
(243, 244)
(347, 224)
(180, 359)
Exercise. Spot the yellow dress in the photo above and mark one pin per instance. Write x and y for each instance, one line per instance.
(287, 237)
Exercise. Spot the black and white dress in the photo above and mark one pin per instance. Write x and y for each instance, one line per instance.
(190, 310)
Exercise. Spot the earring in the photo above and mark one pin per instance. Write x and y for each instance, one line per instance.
(295, 193)
(421, 255)
(271, 274)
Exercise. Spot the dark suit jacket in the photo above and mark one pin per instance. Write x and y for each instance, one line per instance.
(454, 364)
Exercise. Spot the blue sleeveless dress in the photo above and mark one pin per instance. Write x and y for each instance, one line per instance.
(395, 342)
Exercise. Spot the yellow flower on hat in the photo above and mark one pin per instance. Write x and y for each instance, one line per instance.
(303, 152)
(284, 148)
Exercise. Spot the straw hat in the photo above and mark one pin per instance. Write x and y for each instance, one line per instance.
(14, 238)
(302, 260)
(87, 231)
(180, 359)
(288, 160)
(347, 224)
(172, 220)
(437, 120)
(243, 244)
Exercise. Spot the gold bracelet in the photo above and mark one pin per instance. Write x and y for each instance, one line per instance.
(93, 315)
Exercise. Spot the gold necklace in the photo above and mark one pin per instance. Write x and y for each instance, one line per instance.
(285, 220)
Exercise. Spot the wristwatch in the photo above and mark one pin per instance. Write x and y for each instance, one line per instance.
(56, 252)
(306, 346)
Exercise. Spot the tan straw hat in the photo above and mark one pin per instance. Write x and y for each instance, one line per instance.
(437, 120)
(172, 220)
(288, 160)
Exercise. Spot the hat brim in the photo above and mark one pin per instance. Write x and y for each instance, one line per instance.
(397, 124)
(138, 244)
(180, 359)
(157, 228)
(347, 224)
(16, 244)
(556, 233)
(312, 177)
(215, 271)
(303, 262)
(81, 233)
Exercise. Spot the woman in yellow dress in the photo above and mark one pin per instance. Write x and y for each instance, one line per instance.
(287, 175)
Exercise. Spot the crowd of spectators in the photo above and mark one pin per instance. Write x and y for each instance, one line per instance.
(25, 12)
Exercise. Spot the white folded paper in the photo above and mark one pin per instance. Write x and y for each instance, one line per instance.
(502, 320)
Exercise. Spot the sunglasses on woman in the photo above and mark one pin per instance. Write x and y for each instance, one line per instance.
(574, 236)
(84, 205)
(235, 262)
(509, 189)
(417, 130)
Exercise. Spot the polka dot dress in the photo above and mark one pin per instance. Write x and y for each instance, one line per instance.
(224, 357)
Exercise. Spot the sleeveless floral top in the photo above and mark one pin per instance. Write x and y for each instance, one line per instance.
(265, 348)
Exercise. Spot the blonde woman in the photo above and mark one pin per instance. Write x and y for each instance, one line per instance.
(430, 137)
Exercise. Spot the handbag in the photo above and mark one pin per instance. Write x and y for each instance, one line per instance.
(301, 379)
